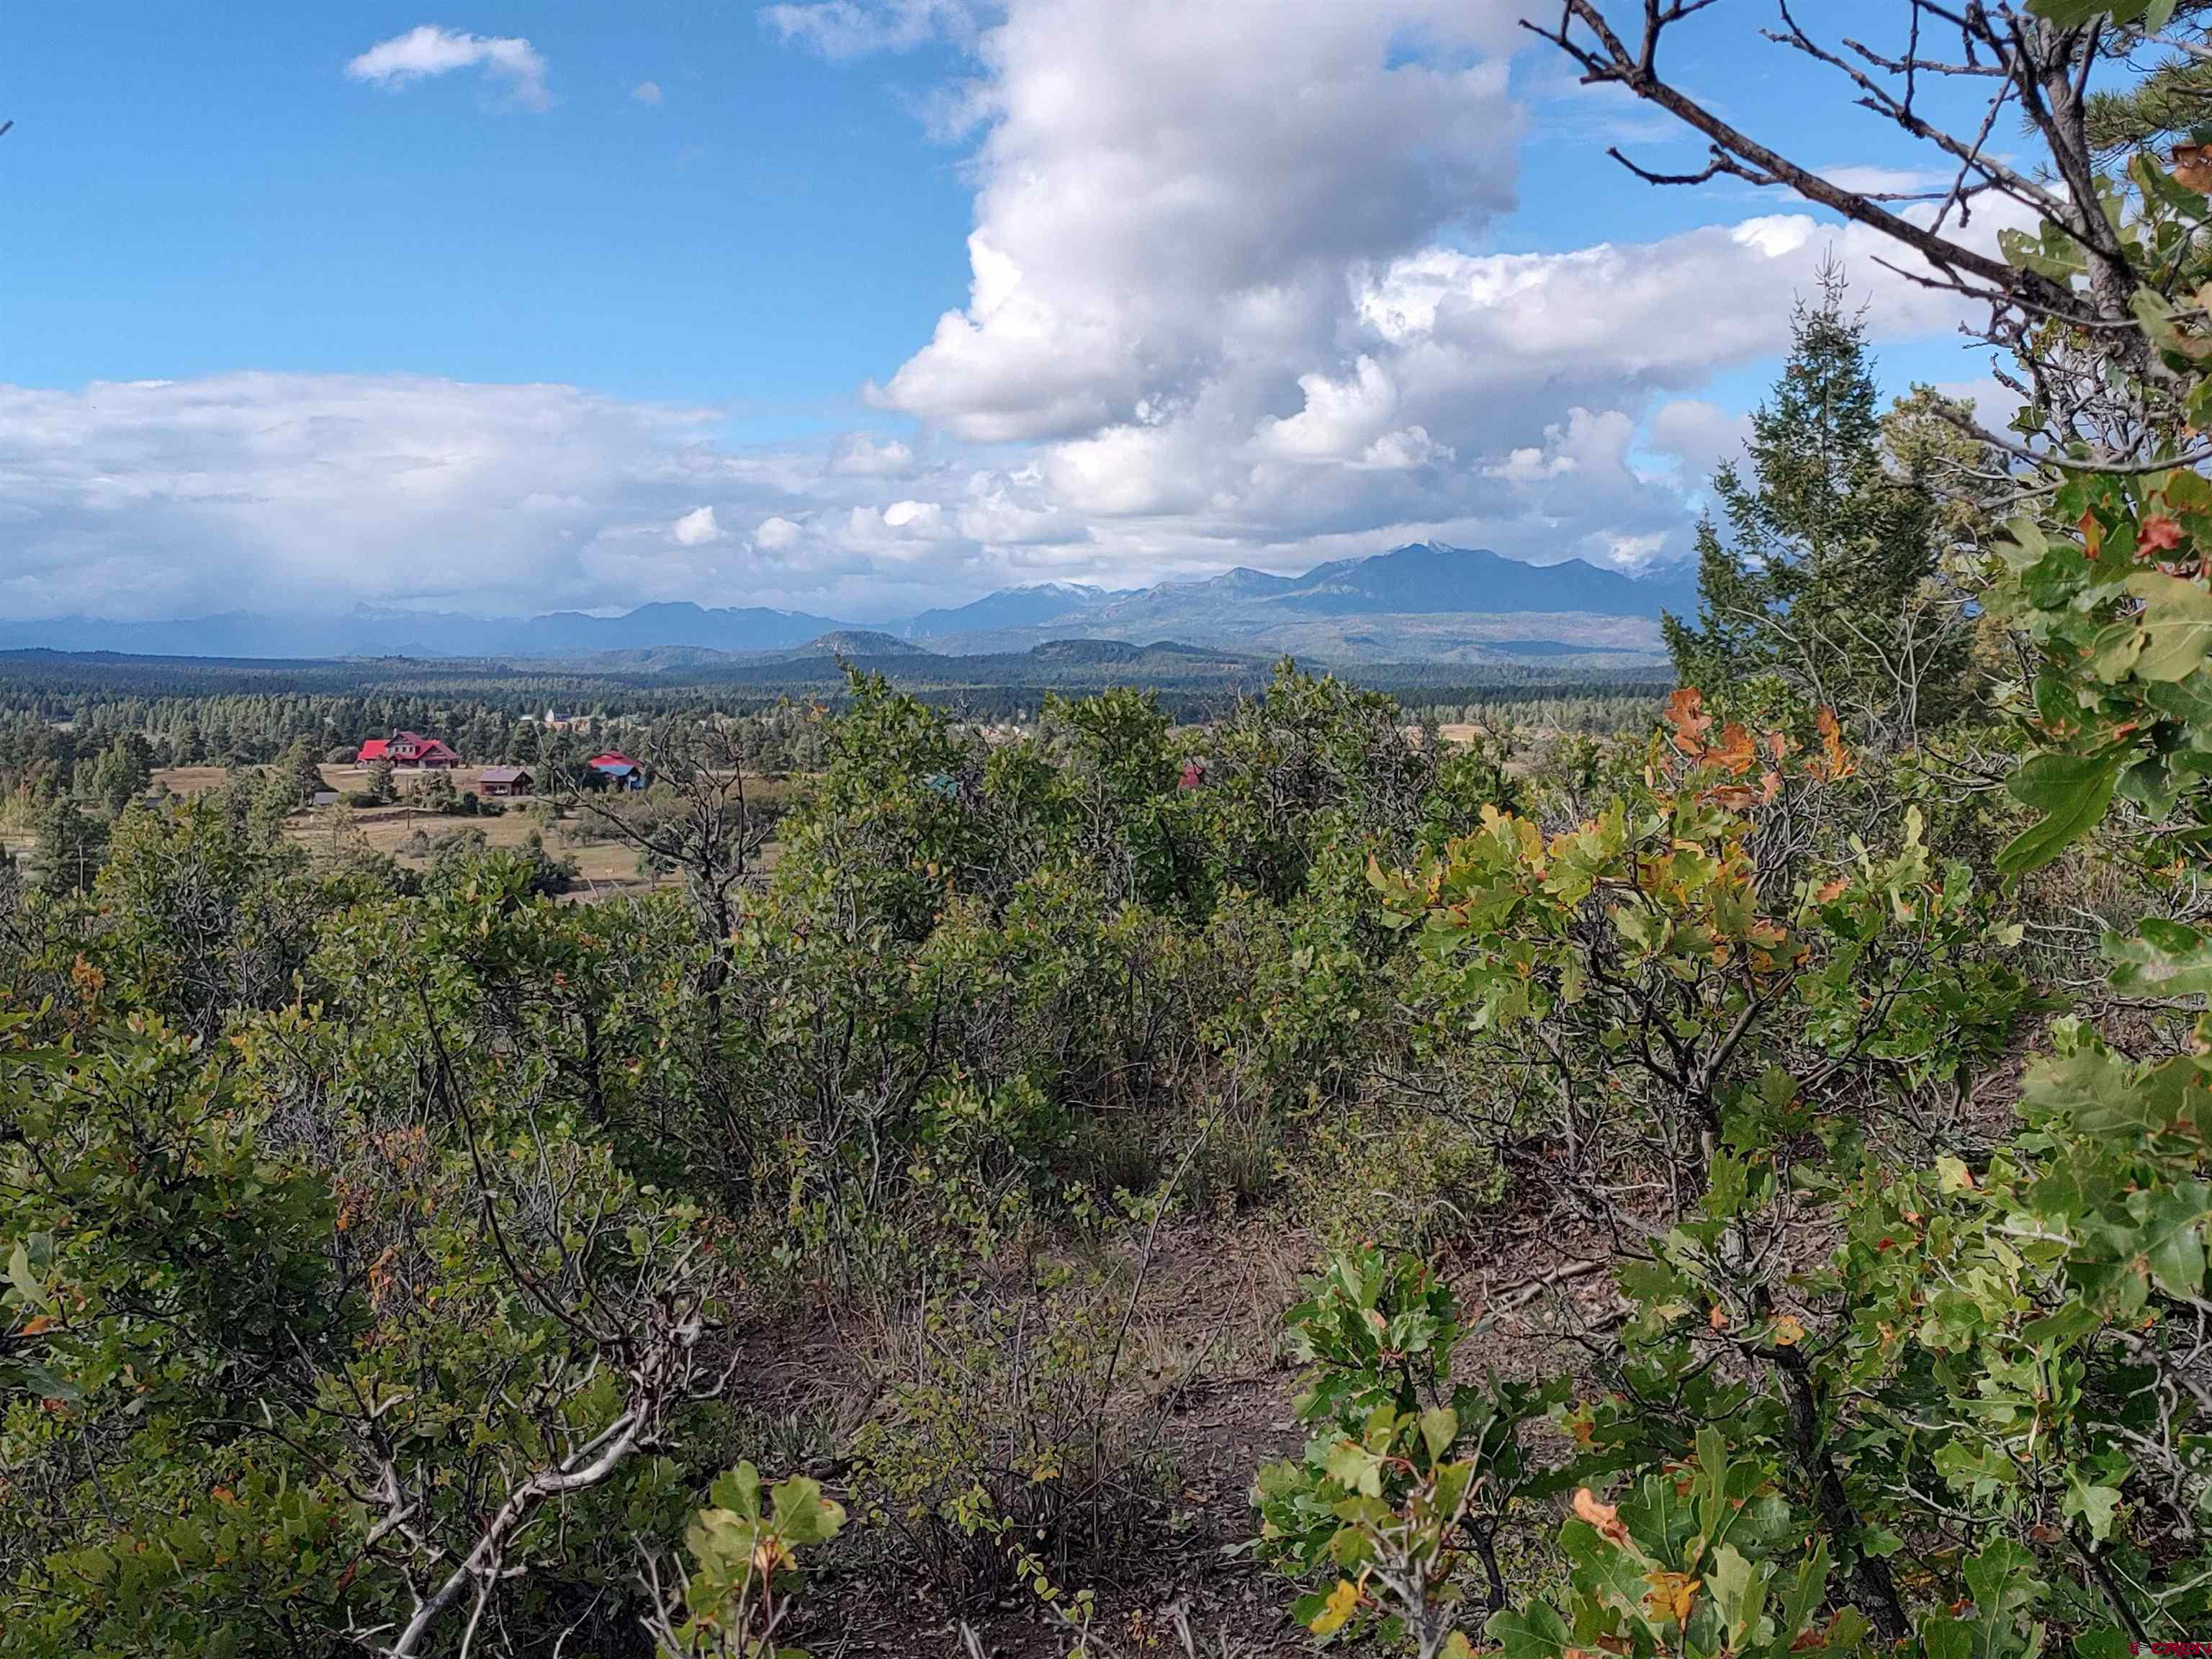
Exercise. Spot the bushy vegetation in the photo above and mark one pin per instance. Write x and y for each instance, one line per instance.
(1748, 1158)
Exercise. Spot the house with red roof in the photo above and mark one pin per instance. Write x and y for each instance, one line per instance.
(618, 769)
(407, 749)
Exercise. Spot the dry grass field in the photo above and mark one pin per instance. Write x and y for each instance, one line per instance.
(603, 867)
(188, 780)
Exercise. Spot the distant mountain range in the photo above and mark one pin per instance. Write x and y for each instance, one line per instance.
(365, 631)
(1421, 603)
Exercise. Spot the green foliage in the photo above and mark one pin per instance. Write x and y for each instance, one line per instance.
(1658, 966)
(1407, 1472)
(745, 1548)
(1703, 1559)
(1001, 1442)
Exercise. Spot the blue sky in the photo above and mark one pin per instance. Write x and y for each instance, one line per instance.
(505, 306)
(188, 200)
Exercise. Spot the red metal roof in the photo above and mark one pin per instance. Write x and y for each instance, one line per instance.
(373, 749)
(612, 757)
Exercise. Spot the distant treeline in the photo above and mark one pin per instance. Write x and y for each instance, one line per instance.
(57, 683)
(65, 684)
(214, 708)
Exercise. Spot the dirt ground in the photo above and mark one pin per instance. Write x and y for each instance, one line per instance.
(1208, 1377)
(1205, 1380)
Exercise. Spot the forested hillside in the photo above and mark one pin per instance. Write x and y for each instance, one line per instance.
(1724, 1174)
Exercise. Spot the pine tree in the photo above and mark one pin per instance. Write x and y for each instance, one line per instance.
(298, 767)
(1832, 541)
(121, 774)
(71, 845)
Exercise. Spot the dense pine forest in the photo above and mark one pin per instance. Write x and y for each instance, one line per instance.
(1718, 1170)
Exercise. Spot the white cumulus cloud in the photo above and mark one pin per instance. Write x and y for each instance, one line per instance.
(696, 528)
(858, 455)
(774, 534)
(1171, 193)
(428, 50)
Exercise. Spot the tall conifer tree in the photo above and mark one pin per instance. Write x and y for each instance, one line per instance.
(1831, 543)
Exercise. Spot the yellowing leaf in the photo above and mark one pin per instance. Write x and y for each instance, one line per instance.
(1788, 1329)
(2176, 625)
(1671, 1595)
(1333, 1616)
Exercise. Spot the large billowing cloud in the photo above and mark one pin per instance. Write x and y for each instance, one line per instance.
(1171, 193)
(1222, 310)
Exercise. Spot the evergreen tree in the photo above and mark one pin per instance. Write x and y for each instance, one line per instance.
(71, 845)
(1834, 535)
(2171, 104)
(298, 768)
(121, 774)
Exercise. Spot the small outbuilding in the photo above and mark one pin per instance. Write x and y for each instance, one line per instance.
(505, 781)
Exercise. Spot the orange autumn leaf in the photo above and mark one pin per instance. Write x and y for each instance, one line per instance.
(1719, 1318)
(43, 1323)
(1606, 1517)
(1685, 713)
(1734, 751)
(1836, 760)
(87, 977)
(1831, 891)
(2092, 535)
(2159, 534)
